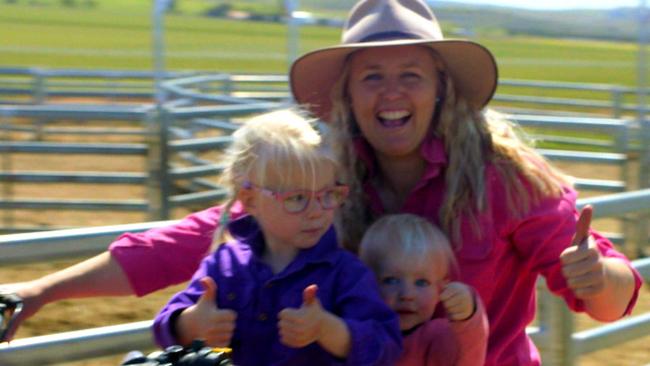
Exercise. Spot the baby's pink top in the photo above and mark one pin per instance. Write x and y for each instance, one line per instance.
(502, 260)
(440, 342)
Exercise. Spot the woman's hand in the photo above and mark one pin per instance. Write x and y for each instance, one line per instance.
(33, 300)
(458, 300)
(606, 285)
(204, 320)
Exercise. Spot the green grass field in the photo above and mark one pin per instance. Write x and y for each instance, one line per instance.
(117, 35)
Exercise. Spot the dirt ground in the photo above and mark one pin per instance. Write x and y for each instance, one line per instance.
(81, 314)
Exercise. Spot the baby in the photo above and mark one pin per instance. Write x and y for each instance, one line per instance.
(414, 265)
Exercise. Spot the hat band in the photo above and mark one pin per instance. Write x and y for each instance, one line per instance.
(383, 36)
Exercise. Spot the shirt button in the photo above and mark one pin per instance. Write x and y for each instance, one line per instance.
(231, 296)
(262, 317)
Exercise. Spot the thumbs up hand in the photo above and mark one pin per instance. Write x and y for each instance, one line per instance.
(204, 320)
(300, 327)
(582, 264)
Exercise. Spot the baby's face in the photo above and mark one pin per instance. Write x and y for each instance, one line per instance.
(411, 287)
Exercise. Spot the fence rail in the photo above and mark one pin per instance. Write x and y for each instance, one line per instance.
(119, 339)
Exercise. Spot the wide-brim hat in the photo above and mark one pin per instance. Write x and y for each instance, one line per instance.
(382, 23)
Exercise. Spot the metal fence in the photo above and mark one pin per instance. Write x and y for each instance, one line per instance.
(554, 334)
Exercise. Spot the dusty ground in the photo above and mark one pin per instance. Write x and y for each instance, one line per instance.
(80, 314)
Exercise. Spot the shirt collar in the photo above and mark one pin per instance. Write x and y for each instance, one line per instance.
(246, 231)
(432, 151)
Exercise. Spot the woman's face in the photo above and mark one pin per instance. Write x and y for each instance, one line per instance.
(393, 94)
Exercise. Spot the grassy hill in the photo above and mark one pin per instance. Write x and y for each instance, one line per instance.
(117, 34)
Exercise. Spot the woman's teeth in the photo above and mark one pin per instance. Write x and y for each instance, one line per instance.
(393, 118)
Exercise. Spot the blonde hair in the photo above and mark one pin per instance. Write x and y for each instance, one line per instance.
(405, 236)
(282, 142)
(472, 138)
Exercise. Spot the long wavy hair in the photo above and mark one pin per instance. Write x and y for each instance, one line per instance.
(472, 138)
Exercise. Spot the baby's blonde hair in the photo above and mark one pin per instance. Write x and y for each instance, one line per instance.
(405, 236)
(282, 141)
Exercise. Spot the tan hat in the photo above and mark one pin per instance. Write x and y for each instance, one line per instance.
(380, 23)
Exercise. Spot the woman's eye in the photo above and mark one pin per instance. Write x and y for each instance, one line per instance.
(372, 77)
(422, 283)
(411, 76)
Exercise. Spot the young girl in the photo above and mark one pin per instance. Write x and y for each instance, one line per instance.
(414, 265)
(281, 291)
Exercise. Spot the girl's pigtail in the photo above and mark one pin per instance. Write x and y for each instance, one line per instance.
(220, 234)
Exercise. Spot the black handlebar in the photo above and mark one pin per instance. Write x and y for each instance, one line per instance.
(196, 355)
(10, 307)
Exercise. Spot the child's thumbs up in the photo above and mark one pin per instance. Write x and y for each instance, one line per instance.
(309, 295)
(209, 297)
(204, 319)
(302, 326)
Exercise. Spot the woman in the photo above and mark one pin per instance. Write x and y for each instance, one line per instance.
(408, 107)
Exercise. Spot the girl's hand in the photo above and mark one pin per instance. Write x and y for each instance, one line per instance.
(204, 320)
(458, 300)
(583, 266)
(303, 326)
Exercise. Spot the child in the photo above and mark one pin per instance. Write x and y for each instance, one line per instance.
(413, 263)
(281, 291)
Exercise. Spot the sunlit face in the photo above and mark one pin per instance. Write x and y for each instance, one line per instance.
(411, 287)
(286, 231)
(393, 92)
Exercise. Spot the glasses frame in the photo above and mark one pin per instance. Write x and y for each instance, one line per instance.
(282, 196)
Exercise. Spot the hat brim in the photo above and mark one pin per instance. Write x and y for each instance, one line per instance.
(471, 66)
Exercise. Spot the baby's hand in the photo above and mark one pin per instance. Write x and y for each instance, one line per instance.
(204, 320)
(458, 300)
(303, 326)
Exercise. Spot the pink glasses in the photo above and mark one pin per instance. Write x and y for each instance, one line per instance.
(297, 201)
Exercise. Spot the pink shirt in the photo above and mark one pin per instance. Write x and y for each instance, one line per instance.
(440, 342)
(502, 265)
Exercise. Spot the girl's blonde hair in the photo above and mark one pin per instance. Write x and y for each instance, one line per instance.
(472, 138)
(405, 236)
(281, 142)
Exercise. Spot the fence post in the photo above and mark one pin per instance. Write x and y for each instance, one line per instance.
(158, 163)
(38, 97)
(556, 324)
(617, 102)
(7, 185)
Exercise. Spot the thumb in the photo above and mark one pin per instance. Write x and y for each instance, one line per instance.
(309, 295)
(582, 226)
(210, 294)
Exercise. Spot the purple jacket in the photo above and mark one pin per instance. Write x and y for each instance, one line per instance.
(248, 286)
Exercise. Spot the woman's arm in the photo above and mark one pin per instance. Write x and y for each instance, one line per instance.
(97, 276)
